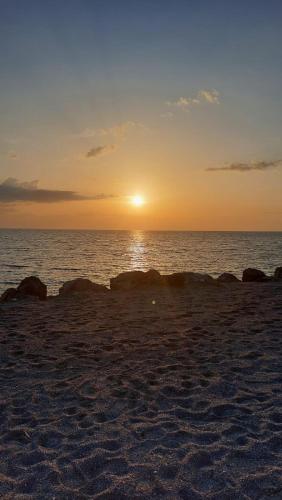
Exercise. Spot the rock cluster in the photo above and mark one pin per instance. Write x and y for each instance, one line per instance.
(136, 279)
(251, 274)
(81, 285)
(139, 279)
(32, 286)
(278, 274)
(187, 278)
(227, 278)
(28, 287)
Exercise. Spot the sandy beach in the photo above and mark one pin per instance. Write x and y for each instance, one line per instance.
(160, 393)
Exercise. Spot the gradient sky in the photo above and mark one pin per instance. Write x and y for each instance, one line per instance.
(179, 101)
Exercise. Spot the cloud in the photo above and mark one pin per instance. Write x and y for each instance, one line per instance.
(211, 96)
(247, 167)
(167, 114)
(183, 103)
(12, 156)
(9, 155)
(121, 130)
(203, 96)
(118, 131)
(11, 191)
(100, 150)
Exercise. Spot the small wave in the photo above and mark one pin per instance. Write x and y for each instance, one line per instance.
(65, 269)
(15, 266)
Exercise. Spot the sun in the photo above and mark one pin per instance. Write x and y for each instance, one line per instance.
(137, 200)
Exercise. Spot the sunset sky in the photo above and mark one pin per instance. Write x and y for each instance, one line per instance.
(176, 101)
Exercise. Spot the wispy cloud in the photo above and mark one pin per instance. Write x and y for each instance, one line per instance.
(101, 150)
(211, 96)
(119, 131)
(12, 156)
(167, 115)
(12, 190)
(9, 155)
(117, 134)
(184, 102)
(202, 96)
(247, 167)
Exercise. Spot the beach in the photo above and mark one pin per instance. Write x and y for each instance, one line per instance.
(156, 393)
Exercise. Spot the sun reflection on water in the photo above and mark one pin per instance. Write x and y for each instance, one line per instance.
(137, 250)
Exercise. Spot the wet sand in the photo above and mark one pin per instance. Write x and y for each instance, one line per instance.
(152, 394)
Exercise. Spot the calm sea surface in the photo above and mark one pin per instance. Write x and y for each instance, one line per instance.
(58, 256)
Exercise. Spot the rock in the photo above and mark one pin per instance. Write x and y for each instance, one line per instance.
(32, 286)
(153, 277)
(139, 279)
(227, 278)
(186, 278)
(174, 279)
(278, 274)
(136, 279)
(28, 287)
(198, 278)
(9, 294)
(81, 285)
(251, 274)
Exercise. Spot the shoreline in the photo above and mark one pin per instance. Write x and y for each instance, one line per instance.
(32, 286)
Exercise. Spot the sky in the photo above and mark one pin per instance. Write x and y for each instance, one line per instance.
(175, 101)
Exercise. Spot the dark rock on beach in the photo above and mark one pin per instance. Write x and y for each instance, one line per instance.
(32, 286)
(139, 279)
(28, 287)
(187, 278)
(251, 274)
(175, 279)
(81, 285)
(227, 278)
(9, 294)
(136, 279)
(278, 274)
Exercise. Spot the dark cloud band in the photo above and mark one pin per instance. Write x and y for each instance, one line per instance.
(11, 191)
(247, 167)
(100, 150)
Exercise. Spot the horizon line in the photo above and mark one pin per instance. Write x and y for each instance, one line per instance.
(144, 230)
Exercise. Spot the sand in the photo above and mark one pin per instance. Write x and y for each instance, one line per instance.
(154, 394)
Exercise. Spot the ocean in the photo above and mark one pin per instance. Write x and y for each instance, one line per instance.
(60, 255)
